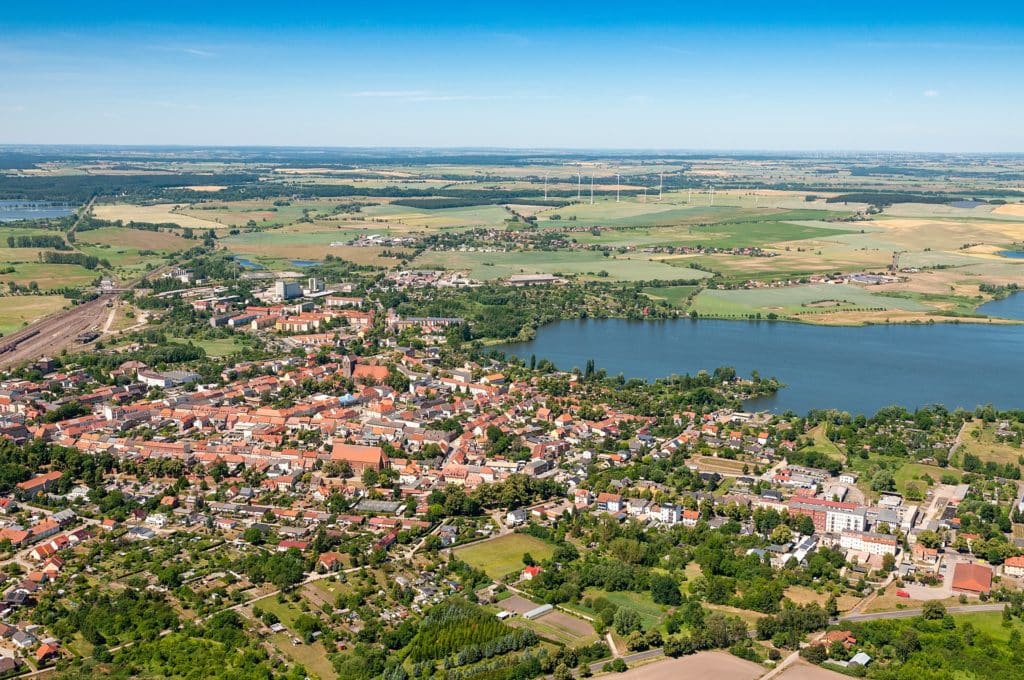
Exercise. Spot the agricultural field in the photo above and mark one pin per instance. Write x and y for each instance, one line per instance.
(799, 301)
(138, 239)
(555, 625)
(260, 214)
(442, 218)
(677, 296)
(50, 276)
(161, 213)
(18, 310)
(306, 242)
(489, 266)
(502, 556)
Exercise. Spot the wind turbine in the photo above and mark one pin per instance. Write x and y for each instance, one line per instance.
(579, 185)
(712, 203)
(617, 187)
(661, 186)
(591, 189)
(546, 186)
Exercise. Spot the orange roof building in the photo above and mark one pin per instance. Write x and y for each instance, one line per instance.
(972, 578)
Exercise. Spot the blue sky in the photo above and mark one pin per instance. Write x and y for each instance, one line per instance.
(868, 75)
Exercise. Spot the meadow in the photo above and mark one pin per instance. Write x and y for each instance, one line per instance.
(17, 310)
(502, 556)
(50, 276)
(797, 301)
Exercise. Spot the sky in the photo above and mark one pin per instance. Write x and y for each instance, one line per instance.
(888, 76)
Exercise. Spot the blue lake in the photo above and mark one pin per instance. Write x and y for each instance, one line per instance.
(1010, 307)
(304, 263)
(11, 211)
(856, 369)
(1014, 254)
(248, 264)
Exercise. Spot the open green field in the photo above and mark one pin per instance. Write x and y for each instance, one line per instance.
(307, 242)
(286, 611)
(719, 235)
(798, 301)
(17, 310)
(490, 266)
(443, 218)
(677, 296)
(126, 260)
(261, 213)
(50, 276)
(504, 555)
(675, 211)
(651, 613)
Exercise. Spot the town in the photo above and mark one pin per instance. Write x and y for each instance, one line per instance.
(355, 479)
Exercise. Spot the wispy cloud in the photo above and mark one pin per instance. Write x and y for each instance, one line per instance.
(930, 93)
(186, 49)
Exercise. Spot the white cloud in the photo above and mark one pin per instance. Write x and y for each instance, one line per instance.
(930, 93)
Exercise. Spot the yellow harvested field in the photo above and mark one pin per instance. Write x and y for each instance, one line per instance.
(1014, 209)
(134, 238)
(154, 214)
(805, 595)
(206, 187)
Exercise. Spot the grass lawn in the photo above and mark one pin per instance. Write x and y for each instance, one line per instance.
(16, 310)
(677, 296)
(990, 623)
(914, 471)
(501, 556)
(287, 611)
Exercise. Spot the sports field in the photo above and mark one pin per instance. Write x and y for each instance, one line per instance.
(504, 555)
